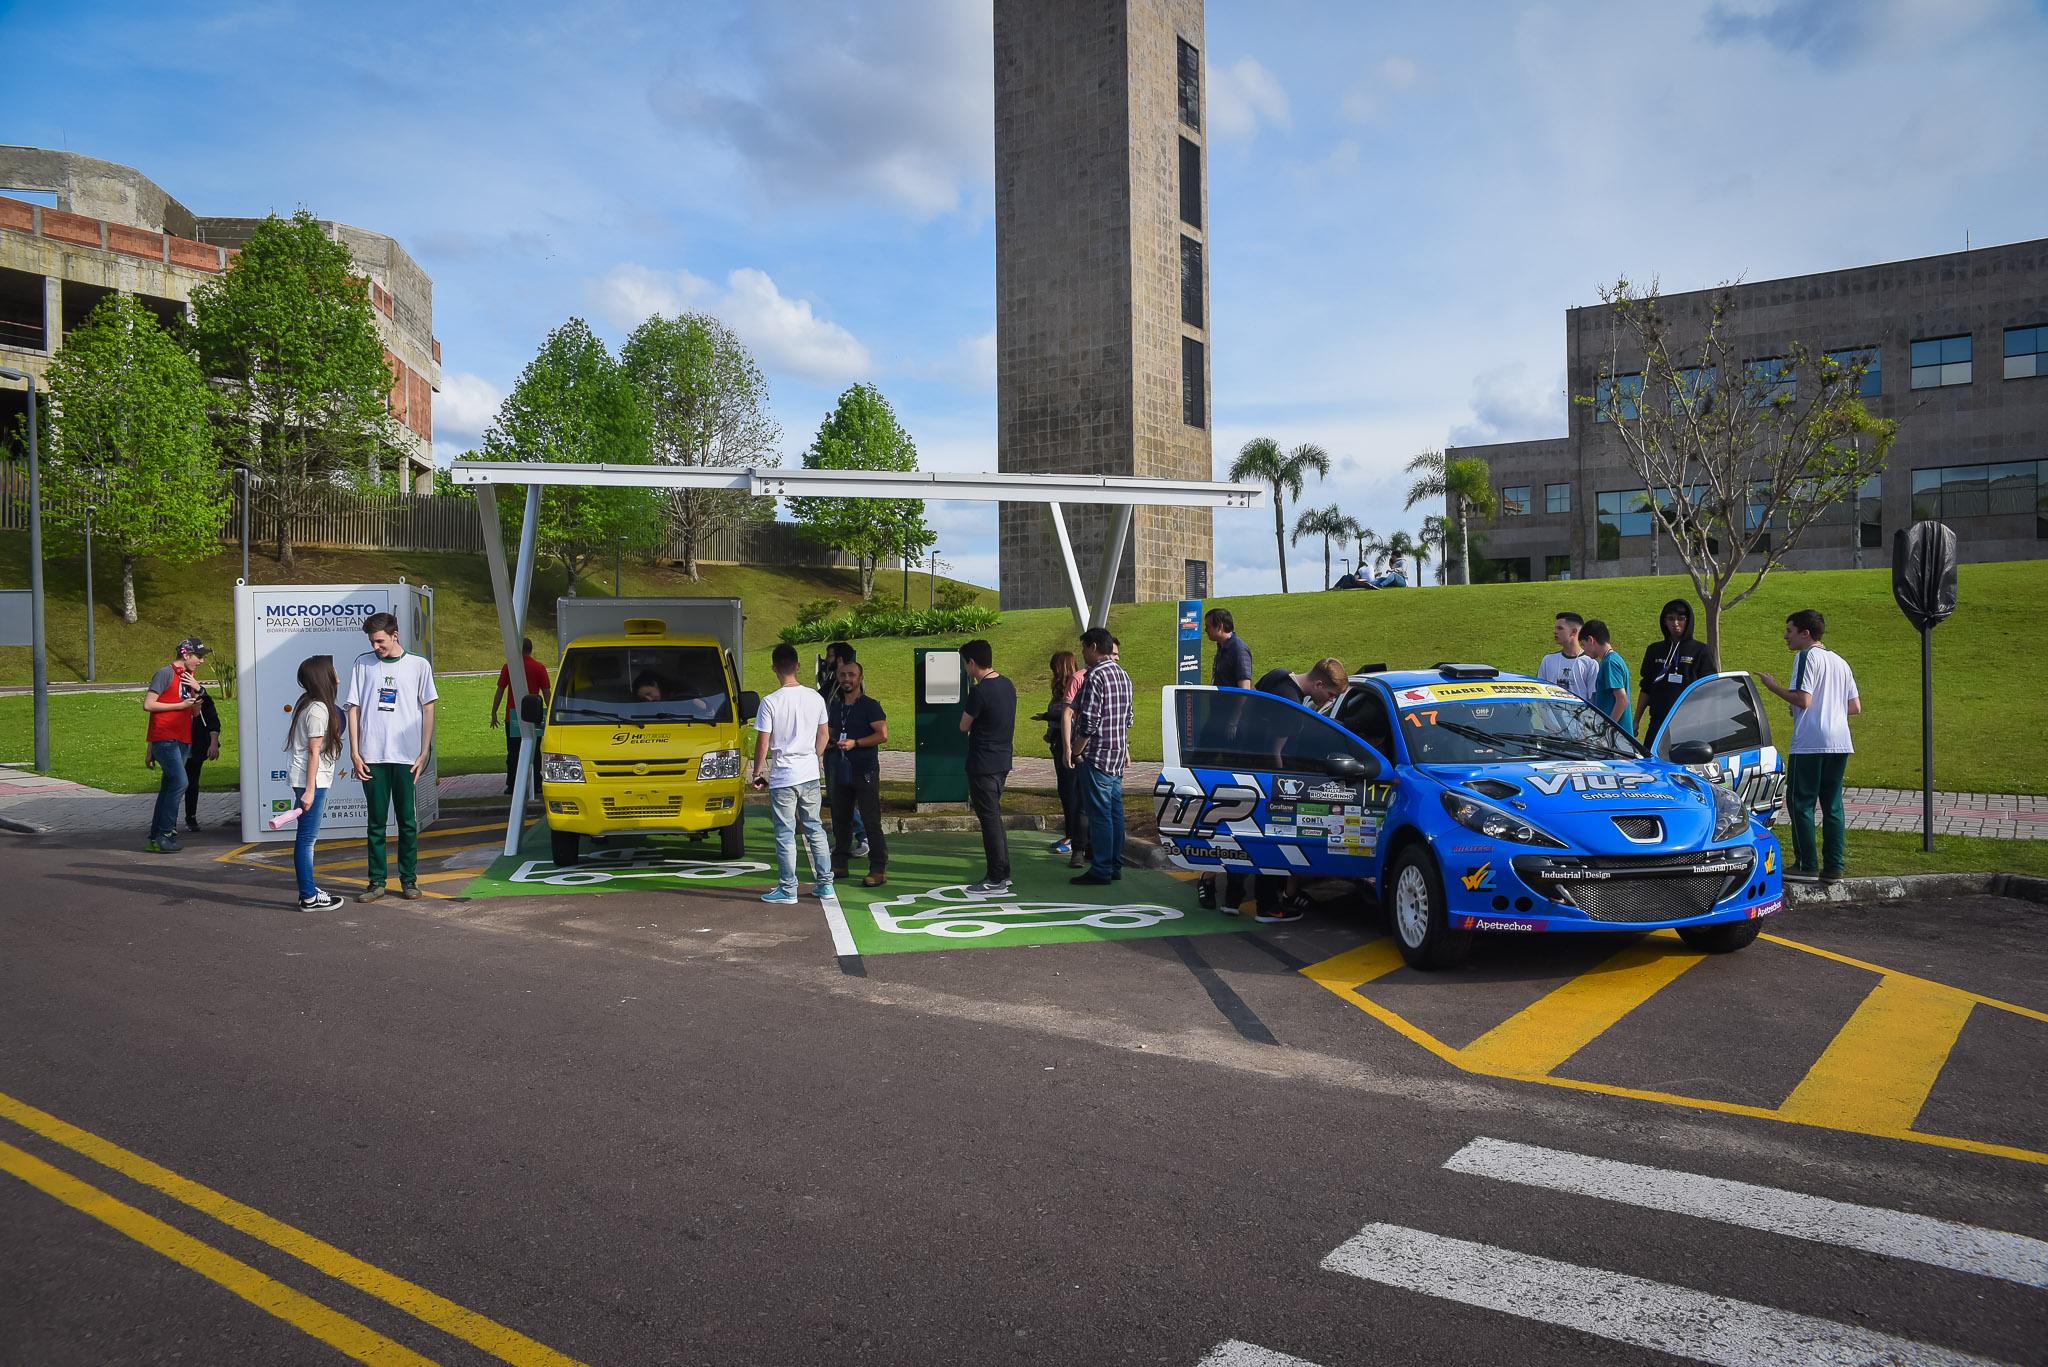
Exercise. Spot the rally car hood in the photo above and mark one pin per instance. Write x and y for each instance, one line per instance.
(1578, 800)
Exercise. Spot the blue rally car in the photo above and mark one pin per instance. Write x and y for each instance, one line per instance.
(1471, 801)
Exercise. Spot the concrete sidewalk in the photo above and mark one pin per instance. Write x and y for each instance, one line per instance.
(33, 801)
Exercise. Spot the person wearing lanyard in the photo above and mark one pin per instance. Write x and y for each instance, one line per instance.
(859, 729)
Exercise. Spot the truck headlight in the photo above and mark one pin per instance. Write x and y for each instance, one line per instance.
(561, 769)
(1496, 824)
(719, 764)
(1731, 817)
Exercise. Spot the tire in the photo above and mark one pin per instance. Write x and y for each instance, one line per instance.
(1417, 909)
(732, 840)
(1725, 938)
(568, 847)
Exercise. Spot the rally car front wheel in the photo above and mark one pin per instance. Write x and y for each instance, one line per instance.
(1725, 938)
(1422, 923)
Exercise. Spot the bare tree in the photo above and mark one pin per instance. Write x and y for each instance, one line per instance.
(1739, 453)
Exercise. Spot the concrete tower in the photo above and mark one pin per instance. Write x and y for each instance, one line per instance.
(1102, 287)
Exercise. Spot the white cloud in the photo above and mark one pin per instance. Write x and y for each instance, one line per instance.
(464, 408)
(1244, 95)
(785, 334)
(1508, 405)
(1367, 99)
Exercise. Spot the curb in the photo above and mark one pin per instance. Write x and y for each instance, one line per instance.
(1899, 886)
(8, 823)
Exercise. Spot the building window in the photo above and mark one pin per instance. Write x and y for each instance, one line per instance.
(1869, 357)
(1192, 405)
(1190, 83)
(1557, 567)
(1620, 512)
(1190, 184)
(1941, 361)
(1191, 282)
(1514, 501)
(1622, 391)
(1557, 498)
(1771, 379)
(1196, 574)
(2026, 353)
(1870, 513)
(2012, 488)
(1692, 387)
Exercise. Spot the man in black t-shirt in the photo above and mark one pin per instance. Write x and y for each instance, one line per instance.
(1233, 665)
(858, 729)
(989, 719)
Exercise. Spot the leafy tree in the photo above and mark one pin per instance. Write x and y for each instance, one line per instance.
(1465, 483)
(131, 439)
(707, 405)
(1744, 456)
(861, 433)
(1325, 523)
(289, 336)
(574, 405)
(1260, 459)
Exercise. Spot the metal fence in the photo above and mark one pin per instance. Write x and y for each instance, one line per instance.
(339, 519)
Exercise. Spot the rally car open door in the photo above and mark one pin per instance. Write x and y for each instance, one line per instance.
(1726, 711)
(1252, 782)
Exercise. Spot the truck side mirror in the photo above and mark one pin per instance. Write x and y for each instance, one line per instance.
(531, 711)
(750, 703)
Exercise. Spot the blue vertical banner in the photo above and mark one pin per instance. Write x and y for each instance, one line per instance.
(1188, 643)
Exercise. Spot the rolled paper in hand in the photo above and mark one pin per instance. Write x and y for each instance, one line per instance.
(286, 817)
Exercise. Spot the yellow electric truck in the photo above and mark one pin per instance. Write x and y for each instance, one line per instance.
(644, 735)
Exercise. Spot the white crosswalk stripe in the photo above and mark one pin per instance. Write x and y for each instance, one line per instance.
(1238, 1353)
(1870, 1229)
(1624, 1309)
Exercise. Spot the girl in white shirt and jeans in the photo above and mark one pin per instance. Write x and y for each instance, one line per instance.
(315, 743)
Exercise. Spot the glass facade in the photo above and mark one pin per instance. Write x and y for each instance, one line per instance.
(2003, 490)
(2026, 352)
(1557, 498)
(1557, 567)
(1191, 282)
(1871, 359)
(1870, 513)
(1514, 501)
(1619, 393)
(1772, 378)
(1941, 361)
(1189, 74)
(1190, 184)
(1193, 400)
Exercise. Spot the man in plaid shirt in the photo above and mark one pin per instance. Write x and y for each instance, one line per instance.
(1102, 733)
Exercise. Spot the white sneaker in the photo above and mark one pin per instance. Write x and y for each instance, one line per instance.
(989, 889)
(860, 849)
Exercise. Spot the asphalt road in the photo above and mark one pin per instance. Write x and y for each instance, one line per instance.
(669, 1128)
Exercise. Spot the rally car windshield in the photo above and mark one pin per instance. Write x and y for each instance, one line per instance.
(1511, 729)
(642, 684)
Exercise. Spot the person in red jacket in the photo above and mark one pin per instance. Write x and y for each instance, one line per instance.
(170, 699)
(536, 684)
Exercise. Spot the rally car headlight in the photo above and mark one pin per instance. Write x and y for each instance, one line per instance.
(1496, 824)
(561, 769)
(1731, 817)
(719, 764)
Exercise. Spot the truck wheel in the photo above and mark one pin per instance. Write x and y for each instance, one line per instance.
(1725, 938)
(1422, 925)
(732, 840)
(568, 847)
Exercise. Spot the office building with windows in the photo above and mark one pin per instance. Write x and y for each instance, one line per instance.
(1102, 288)
(74, 229)
(1956, 350)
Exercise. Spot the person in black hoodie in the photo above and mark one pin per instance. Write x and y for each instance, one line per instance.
(1670, 664)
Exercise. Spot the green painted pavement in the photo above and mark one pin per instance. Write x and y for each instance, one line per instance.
(924, 906)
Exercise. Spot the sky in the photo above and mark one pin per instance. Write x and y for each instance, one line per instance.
(1403, 199)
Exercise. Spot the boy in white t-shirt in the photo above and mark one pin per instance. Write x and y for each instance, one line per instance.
(1569, 666)
(1823, 698)
(390, 707)
(791, 730)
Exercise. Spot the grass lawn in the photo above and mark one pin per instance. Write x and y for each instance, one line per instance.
(1991, 714)
(1878, 852)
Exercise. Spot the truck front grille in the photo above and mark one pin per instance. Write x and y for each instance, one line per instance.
(643, 811)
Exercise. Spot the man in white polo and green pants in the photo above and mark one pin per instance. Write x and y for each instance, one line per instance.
(390, 707)
(1823, 698)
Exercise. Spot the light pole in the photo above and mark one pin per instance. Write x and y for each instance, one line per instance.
(90, 661)
(242, 472)
(39, 660)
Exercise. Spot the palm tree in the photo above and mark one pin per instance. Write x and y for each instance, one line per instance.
(1260, 459)
(1465, 482)
(1436, 529)
(1326, 523)
(1369, 545)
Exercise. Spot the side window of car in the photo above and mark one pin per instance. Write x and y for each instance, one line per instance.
(1254, 731)
(1723, 713)
(1363, 712)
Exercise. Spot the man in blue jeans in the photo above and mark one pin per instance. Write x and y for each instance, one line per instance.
(170, 699)
(1102, 745)
(791, 732)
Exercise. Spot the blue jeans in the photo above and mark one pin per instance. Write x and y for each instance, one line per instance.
(1104, 796)
(792, 810)
(308, 832)
(170, 757)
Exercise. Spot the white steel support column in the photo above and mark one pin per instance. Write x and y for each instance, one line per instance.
(1112, 557)
(1059, 530)
(511, 596)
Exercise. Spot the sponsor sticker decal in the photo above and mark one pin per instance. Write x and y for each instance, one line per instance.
(1497, 923)
(1479, 879)
(1770, 908)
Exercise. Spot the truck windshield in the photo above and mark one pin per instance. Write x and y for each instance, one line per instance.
(642, 684)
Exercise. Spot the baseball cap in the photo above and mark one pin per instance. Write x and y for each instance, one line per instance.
(195, 646)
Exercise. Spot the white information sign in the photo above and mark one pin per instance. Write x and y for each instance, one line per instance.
(276, 627)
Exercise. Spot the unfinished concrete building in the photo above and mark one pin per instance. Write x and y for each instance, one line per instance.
(74, 229)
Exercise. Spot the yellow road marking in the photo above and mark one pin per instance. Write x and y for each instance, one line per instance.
(1540, 1037)
(1878, 1070)
(1344, 974)
(507, 1345)
(302, 1312)
(2029, 1012)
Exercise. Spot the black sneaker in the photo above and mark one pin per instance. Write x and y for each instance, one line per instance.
(320, 901)
(1205, 895)
(371, 893)
(165, 844)
(1828, 880)
(1799, 875)
(409, 891)
(192, 823)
